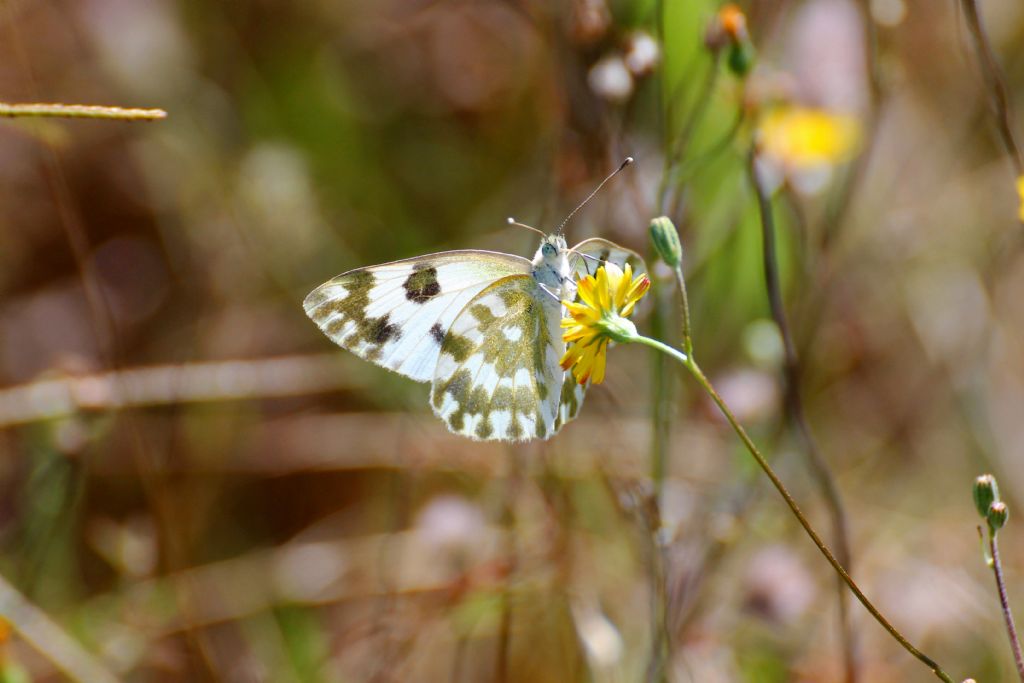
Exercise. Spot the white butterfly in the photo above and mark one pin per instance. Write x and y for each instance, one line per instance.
(484, 328)
(481, 326)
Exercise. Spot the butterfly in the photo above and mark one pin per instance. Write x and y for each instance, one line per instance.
(482, 327)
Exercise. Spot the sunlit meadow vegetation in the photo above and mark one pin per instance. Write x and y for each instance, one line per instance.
(198, 486)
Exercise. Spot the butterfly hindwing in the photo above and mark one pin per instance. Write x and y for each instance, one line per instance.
(397, 314)
(498, 375)
(570, 400)
(587, 256)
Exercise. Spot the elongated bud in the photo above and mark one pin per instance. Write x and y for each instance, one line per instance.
(986, 492)
(728, 29)
(741, 58)
(997, 515)
(665, 238)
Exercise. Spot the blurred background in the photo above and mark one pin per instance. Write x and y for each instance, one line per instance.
(195, 484)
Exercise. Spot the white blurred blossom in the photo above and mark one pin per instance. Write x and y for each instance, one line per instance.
(610, 79)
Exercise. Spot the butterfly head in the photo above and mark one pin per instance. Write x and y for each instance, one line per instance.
(551, 252)
(551, 267)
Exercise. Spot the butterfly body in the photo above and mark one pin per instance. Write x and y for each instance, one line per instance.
(551, 268)
(482, 327)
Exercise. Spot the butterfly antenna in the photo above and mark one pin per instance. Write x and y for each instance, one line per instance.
(590, 196)
(513, 221)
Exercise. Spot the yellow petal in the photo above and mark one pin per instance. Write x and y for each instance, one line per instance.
(583, 366)
(570, 357)
(599, 362)
(638, 287)
(586, 290)
(603, 301)
(623, 287)
(577, 334)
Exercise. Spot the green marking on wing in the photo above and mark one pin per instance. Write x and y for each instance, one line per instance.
(349, 312)
(396, 314)
(457, 346)
(422, 285)
(570, 400)
(496, 363)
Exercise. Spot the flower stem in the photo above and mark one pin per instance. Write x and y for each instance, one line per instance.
(995, 83)
(1011, 628)
(705, 383)
(662, 383)
(685, 306)
(664, 348)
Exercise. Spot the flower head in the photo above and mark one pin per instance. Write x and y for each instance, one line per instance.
(803, 145)
(802, 137)
(599, 318)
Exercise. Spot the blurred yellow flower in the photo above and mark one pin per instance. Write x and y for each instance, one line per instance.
(804, 137)
(1020, 193)
(599, 317)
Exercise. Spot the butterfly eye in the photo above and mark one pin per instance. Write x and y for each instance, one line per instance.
(549, 250)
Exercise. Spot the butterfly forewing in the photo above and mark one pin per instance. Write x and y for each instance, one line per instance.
(498, 375)
(397, 314)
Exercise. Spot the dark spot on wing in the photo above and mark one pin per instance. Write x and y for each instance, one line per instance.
(436, 333)
(421, 286)
(605, 253)
(379, 330)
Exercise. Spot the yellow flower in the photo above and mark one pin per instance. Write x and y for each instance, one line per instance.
(598, 318)
(803, 137)
(1020, 193)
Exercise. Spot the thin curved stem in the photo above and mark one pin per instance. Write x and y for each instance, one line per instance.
(1011, 628)
(995, 83)
(705, 383)
(684, 305)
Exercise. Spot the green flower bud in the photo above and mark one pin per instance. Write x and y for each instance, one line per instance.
(986, 492)
(741, 58)
(666, 241)
(997, 515)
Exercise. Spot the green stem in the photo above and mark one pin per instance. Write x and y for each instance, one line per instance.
(662, 383)
(705, 383)
(685, 305)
